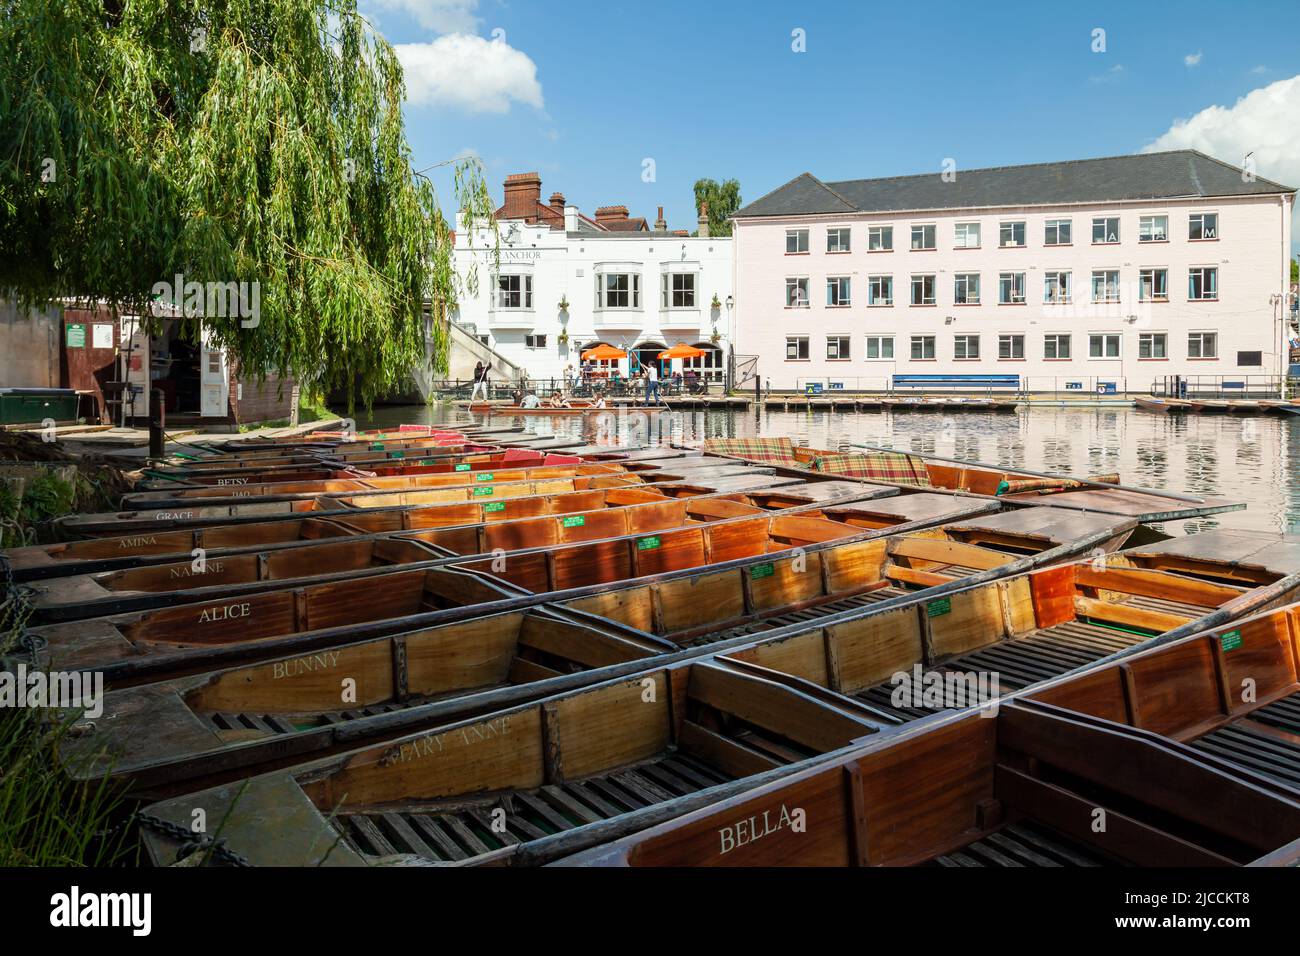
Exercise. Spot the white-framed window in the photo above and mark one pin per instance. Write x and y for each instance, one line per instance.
(1011, 288)
(1202, 345)
(796, 293)
(677, 290)
(922, 348)
(880, 238)
(618, 290)
(796, 348)
(1056, 232)
(1056, 287)
(838, 291)
(1103, 345)
(923, 290)
(534, 341)
(880, 290)
(1105, 285)
(966, 347)
(1203, 283)
(837, 348)
(1153, 285)
(967, 236)
(1153, 229)
(837, 240)
(515, 292)
(1011, 235)
(1105, 230)
(796, 241)
(966, 288)
(1203, 226)
(880, 347)
(1056, 345)
(1153, 345)
(1011, 347)
(923, 236)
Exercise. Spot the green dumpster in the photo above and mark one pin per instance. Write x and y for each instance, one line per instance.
(31, 406)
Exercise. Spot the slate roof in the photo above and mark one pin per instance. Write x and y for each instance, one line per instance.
(1176, 174)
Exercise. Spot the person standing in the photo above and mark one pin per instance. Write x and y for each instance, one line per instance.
(651, 382)
(480, 380)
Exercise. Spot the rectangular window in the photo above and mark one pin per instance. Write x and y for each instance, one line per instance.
(535, 341)
(1153, 345)
(922, 290)
(1105, 285)
(1011, 288)
(880, 238)
(1105, 230)
(677, 290)
(1250, 358)
(1011, 235)
(796, 348)
(796, 241)
(618, 290)
(796, 293)
(837, 291)
(966, 288)
(1202, 345)
(922, 347)
(1153, 285)
(880, 346)
(923, 237)
(966, 347)
(1011, 346)
(1103, 346)
(1057, 232)
(880, 290)
(1203, 225)
(837, 347)
(1153, 229)
(1203, 283)
(837, 240)
(1056, 287)
(515, 292)
(967, 236)
(1056, 346)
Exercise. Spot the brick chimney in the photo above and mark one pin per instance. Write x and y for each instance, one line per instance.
(611, 214)
(660, 224)
(557, 200)
(523, 193)
(704, 220)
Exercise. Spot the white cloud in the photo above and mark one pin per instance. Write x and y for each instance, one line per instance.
(1109, 76)
(469, 73)
(441, 16)
(1259, 70)
(1192, 59)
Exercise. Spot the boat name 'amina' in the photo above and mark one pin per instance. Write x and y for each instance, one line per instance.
(138, 542)
(754, 828)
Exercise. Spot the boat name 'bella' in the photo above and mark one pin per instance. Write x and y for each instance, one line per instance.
(752, 829)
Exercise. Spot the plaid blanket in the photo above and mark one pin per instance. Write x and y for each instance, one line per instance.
(890, 467)
(773, 451)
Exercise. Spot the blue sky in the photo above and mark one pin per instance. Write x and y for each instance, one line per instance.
(584, 92)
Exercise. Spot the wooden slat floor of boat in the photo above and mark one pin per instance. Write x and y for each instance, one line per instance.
(1022, 844)
(467, 831)
(1274, 757)
(288, 724)
(1165, 606)
(802, 616)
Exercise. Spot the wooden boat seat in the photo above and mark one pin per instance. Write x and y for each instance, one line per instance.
(1023, 844)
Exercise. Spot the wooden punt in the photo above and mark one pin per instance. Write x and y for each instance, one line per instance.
(360, 514)
(1160, 405)
(571, 411)
(267, 714)
(709, 738)
(430, 534)
(153, 644)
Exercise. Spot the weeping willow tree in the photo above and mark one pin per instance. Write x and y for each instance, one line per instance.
(228, 141)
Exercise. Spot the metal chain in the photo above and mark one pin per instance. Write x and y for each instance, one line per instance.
(192, 842)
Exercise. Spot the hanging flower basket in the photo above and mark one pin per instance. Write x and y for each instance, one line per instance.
(715, 303)
(564, 304)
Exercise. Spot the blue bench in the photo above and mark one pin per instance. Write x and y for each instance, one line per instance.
(957, 381)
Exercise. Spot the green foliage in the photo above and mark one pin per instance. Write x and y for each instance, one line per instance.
(227, 141)
(723, 199)
(1295, 270)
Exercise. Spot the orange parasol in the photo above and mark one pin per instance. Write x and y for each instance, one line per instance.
(682, 351)
(604, 351)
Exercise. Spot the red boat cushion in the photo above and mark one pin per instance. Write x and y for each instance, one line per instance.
(521, 454)
(562, 460)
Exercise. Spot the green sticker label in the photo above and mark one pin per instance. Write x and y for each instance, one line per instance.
(480, 492)
(377, 446)
(486, 476)
(1230, 640)
(491, 506)
(938, 608)
(648, 544)
(76, 336)
(399, 454)
(463, 466)
(764, 570)
(426, 461)
(575, 521)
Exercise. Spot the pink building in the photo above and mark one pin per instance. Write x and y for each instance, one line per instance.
(1127, 273)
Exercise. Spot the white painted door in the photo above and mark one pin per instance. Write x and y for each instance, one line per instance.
(214, 381)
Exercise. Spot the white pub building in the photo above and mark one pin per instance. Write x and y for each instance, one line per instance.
(567, 282)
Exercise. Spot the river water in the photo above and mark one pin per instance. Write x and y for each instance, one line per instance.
(1244, 458)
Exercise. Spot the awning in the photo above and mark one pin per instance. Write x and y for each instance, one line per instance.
(604, 351)
(682, 351)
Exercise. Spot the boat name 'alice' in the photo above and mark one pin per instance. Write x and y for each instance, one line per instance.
(228, 612)
(435, 744)
(753, 829)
